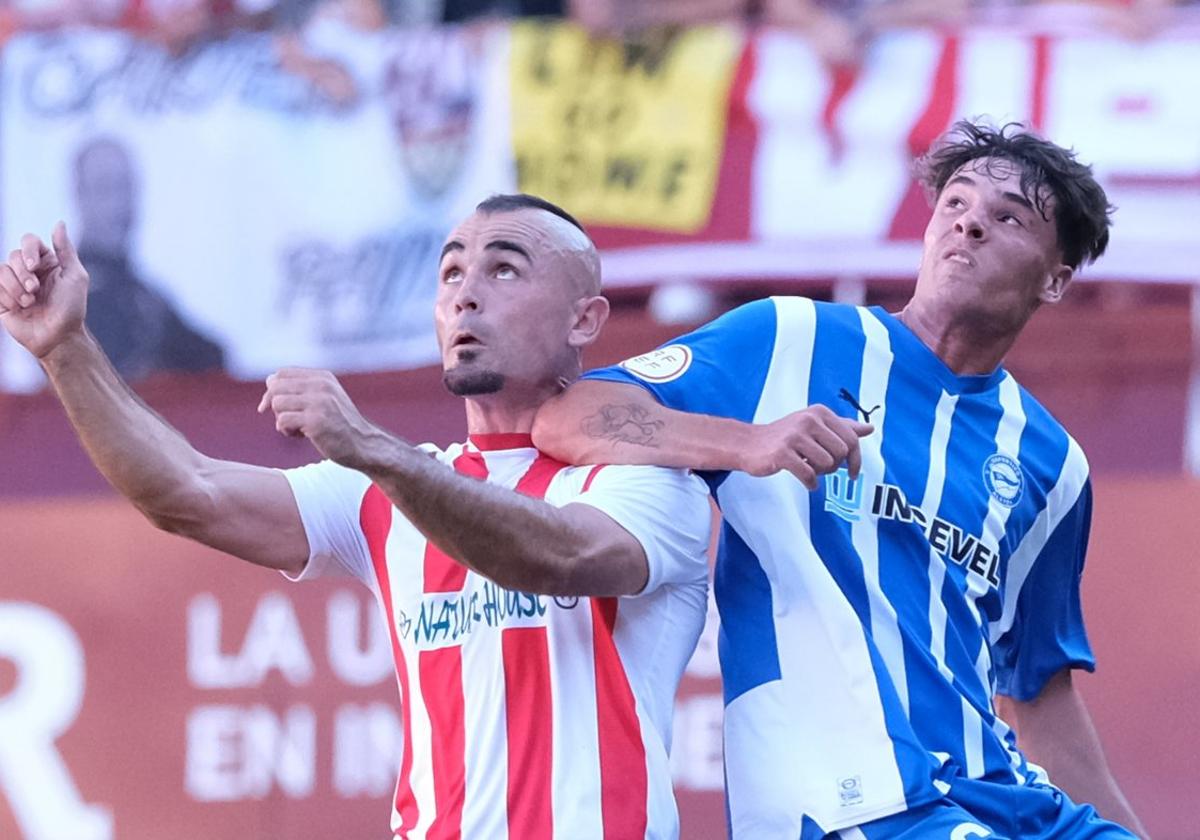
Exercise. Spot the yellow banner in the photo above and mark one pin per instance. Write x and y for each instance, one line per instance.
(619, 133)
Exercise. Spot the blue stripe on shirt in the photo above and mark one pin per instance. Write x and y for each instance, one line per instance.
(746, 639)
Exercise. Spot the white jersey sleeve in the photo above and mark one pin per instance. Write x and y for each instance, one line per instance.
(666, 510)
(329, 497)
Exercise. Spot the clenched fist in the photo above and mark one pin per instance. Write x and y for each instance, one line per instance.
(807, 443)
(313, 404)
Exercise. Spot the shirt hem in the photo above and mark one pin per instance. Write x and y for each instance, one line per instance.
(867, 816)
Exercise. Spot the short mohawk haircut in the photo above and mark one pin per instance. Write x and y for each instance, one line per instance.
(509, 202)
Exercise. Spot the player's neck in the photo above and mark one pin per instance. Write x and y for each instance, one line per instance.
(967, 346)
(512, 409)
(499, 417)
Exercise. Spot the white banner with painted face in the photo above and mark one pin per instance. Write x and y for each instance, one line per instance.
(233, 214)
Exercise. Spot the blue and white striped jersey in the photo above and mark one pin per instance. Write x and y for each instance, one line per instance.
(866, 627)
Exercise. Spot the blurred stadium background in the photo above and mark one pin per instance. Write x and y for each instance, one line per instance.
(256, 184)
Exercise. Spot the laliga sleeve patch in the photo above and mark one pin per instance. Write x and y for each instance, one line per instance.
(662, 365)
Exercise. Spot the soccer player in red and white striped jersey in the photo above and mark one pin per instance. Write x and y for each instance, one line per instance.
(541, 615)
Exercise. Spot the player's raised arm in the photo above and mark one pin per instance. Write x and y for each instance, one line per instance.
(520, 542)
(244, 510)
(597, 421)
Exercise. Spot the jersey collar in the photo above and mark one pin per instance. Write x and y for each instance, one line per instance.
(931, 364)
(501, 441)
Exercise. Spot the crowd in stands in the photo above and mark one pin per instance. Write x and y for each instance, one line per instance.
(839, 30)
(179, 23)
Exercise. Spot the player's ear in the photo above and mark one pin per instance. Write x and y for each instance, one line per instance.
(1055, 285)
(590, 315)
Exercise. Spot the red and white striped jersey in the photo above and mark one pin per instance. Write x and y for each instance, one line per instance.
(526, 716)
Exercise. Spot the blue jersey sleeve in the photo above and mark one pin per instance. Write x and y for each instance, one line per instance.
(719, 369)
(1047, 634)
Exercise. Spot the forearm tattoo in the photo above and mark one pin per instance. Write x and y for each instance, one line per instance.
(624, 424)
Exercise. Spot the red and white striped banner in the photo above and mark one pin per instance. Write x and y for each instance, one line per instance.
(827, 152)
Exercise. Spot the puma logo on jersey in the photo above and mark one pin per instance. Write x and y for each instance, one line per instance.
(848, 397)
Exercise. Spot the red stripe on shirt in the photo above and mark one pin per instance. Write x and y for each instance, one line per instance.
(442, 574)
(442, 687)
(529, 701)
(375, 518)
(623, 781)
(537, 478)
(527, 674)
(587, 482)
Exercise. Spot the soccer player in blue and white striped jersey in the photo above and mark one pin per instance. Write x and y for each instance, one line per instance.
(872, 610)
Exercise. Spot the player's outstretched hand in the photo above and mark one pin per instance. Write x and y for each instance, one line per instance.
(43, 292)
(312, 404)
(807, 443)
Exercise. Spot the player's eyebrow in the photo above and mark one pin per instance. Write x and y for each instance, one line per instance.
(452, 245)
(1011, 196)
(1019, 199)
(959, 179)
(507, 245)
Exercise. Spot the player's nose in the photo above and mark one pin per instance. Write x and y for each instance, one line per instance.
(970, 225)
(469, 295)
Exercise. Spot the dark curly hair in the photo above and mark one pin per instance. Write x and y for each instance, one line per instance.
(1082, 213)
